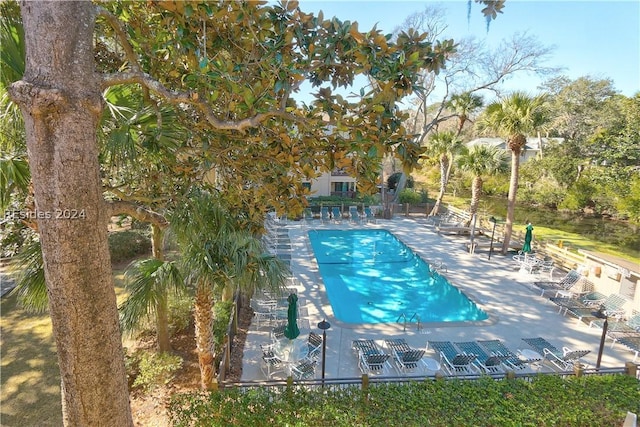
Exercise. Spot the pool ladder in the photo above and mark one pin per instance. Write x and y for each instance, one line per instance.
(415, 317)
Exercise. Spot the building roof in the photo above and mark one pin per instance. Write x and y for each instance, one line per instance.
(533, 143)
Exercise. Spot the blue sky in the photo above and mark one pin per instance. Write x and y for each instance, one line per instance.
(600, 39)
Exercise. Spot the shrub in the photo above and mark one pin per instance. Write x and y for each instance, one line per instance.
(409, 196)
(222, 314)
(125, 245)
(153, 369)
(180, 315)
(544, 400)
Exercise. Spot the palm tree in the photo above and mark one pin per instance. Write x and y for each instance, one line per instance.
(443, 145)
(464, 105)
(514, 117)
(480, 160)
(150, 282)
(218, 254)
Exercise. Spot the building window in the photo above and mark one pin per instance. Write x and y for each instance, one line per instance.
(343, 187)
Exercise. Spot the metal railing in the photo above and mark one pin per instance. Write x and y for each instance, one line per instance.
(366, 381)
(404, 319)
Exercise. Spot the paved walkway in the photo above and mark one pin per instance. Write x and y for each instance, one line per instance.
(515, 309)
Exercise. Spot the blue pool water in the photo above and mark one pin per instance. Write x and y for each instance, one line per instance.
(372, 277)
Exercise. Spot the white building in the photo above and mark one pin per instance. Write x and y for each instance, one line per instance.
(531, 149)
(336, 183)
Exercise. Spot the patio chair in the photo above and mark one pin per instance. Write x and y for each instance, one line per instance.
(272, 364)
(397, 344)
(564, 359)
(488, 364)
(510, 359)
(373, 363)
(315, 345)
(546, 266)
(304, 370)
(632, 342)
(307, 216)
(277, 332)
(354, 215)
(407, 361)
(620, 328)
(365, 346)
(336, 214)
(369, 216)
(564, 283)
(263, 318)
(588, 300)
(578, 289)
(451, 360)
(324, 214)
(613, 305)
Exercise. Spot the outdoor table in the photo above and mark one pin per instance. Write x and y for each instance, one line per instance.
(291, 352)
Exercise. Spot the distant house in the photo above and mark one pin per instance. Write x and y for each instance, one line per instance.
(336, 183)
(530, 151)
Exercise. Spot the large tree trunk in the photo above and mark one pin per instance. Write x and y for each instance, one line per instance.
(162, 305)
(203, 319)
(61, 103)
(511, 202)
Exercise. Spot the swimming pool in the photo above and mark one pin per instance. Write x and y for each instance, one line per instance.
(372, 277)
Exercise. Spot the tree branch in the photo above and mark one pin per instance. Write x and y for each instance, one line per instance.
(137, 212)
(122, 36)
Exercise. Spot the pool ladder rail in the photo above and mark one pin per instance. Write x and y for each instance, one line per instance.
(415, 317)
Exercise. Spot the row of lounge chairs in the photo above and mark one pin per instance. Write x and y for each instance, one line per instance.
(574, 294)
(463, 358)
(335, 215)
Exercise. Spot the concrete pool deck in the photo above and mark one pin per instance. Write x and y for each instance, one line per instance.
(516, 310)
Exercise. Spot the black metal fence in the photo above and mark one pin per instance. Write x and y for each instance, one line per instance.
(366, 381)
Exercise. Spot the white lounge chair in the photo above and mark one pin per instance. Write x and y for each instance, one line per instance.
(565, 359)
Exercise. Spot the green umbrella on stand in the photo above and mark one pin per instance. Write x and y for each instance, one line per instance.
(526, 248)
(292, 330)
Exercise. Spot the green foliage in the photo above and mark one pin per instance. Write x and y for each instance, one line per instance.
(547, 400)
(125, 245)
(394, 178)
(222, 314)
(152, 369)
(180, 315)
(410, 196)
(630, 205)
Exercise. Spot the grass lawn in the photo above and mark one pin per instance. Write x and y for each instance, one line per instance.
(30, 380)
(29, 375)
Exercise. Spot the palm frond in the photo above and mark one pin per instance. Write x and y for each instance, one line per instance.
(14, 175)
(31, 287)
(149, 283)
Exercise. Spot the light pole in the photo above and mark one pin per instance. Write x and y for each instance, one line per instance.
(324, 325)
(602, 314)
(493, 232)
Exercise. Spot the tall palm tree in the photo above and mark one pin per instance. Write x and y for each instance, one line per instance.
(464, 105)
(514, 117)
(218, 253)
(443, 145)
(150, 282)
(480, 160)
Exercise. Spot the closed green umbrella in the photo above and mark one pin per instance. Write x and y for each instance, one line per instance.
(526, 248)
(292, 330)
